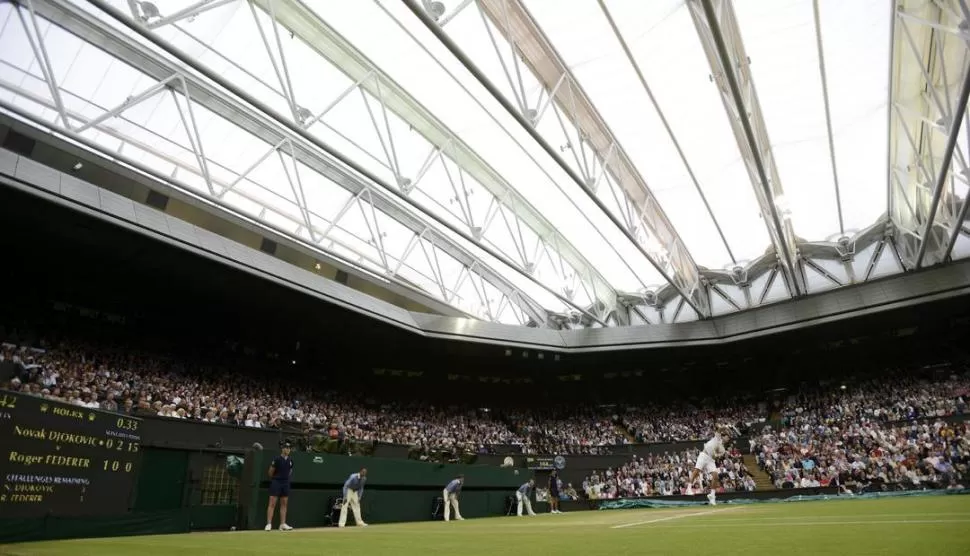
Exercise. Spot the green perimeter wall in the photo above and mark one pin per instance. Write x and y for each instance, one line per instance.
(168, 497)
(175, 493)
(396, 490)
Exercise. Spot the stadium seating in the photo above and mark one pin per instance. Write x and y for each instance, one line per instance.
(898, 431)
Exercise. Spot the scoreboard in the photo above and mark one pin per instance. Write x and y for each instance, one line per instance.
(65, 460)
(545, 463)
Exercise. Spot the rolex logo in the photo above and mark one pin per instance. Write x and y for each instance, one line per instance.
(44, 407)
(91, 416)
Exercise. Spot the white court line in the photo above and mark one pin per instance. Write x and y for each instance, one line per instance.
(759, 524)
(671, 518)
(750, 516)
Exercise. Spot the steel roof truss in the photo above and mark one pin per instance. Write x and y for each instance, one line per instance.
(305, 24)
(719, 33)
(187, 91)
(929, 113)
(595, 155)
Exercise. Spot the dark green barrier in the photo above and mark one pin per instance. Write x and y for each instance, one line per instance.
(161, 484)
(207, 518)
(310, 507)
(139, 523)
(397, 490)
(326, 469)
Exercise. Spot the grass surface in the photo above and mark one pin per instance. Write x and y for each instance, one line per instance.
(938, 525)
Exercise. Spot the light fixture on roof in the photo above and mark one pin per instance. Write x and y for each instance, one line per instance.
(435, 10)
(148, 11)
(77, 167)
(739, 275)
(303, 115)
(405, 184)
(846, 249)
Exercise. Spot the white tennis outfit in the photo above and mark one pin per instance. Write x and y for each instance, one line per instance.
(712, 448)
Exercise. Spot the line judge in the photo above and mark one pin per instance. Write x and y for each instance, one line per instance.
(353, 492)
(523, 494)
(450, 497)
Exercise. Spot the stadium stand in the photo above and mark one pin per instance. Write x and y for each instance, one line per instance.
(902, 431)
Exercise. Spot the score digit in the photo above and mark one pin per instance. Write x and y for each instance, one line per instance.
(127, 424)
(115, 465)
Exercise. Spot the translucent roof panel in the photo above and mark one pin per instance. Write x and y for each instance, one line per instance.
(679, 78)
(573, 31)
(413, 57)
(633, 172)
(160, 129)
(357, 116)
(782, 40)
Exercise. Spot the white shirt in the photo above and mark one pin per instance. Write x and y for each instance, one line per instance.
(715, 446)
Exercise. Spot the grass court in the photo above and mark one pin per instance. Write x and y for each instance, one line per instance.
(937, 525)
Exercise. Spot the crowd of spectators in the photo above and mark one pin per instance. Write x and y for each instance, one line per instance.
(129, 382)
(657, 424)
(866, 455)
(824, 426)
(900, 399)
(664, 474)
(583, 430)
(451, 429)
(880, 434)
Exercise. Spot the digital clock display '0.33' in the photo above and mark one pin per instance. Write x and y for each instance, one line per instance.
(64, 460)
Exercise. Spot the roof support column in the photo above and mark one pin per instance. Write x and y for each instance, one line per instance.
(647, 227)
(929, 173)
(719, 33)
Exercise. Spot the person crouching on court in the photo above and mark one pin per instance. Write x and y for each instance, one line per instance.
(450, 496)
(523, 494)
(353, 492)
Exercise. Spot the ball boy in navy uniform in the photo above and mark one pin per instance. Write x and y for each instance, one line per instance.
(280, 474)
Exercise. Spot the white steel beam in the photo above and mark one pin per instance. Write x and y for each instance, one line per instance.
(719, 33)
(315, 33)
(643, 221)
(287, 141)
(594, 152)
(154, 20)
(929, 90)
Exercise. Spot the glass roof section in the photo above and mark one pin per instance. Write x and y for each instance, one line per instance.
(828, 176)
(465, 108)
(678, 79)
(368, 134)
(129, 113)
(438, 159)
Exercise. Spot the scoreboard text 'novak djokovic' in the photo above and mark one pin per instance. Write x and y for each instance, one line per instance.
(65, 460)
